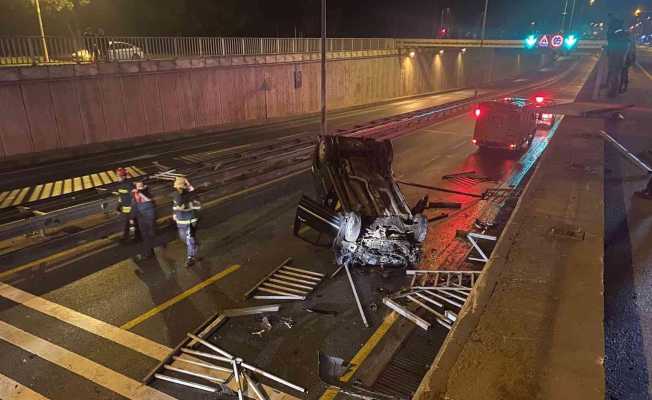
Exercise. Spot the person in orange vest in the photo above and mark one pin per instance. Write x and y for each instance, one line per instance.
(123, 191)
(184, 209)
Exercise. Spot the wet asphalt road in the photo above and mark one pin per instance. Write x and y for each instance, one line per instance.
(628, 249)
(252, 233)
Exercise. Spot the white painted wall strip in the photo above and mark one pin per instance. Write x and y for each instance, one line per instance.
(79, 365)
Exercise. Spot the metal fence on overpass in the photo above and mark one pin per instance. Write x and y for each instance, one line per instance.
(32, 50)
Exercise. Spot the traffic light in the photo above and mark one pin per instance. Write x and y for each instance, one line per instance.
(570, 41)
(530, 41)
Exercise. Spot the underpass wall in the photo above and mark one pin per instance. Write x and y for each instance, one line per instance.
(50, 108)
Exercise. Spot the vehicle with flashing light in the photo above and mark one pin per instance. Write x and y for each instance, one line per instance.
(509, 123)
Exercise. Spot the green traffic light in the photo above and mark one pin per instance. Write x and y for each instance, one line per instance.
(530, 41)
(570, 41)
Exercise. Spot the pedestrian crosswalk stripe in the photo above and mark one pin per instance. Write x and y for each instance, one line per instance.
(67, 186)
(9, 199)
(82, 366)
(96, 180)
(21, 196)
(105, 178)
(12, 390)
(56, 190)
(35, 193)
(95, 326)
(16, 197)
(46, 191)
(87, 182)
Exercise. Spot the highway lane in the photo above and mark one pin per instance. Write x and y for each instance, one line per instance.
(252, 233)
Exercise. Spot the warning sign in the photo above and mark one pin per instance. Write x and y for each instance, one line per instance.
(543, 41)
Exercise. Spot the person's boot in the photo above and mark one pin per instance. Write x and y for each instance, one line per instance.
(190, 262)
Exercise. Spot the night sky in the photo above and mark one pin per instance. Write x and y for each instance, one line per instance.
(346, 18)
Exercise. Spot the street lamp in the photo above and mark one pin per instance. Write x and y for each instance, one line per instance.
(638, 12)
(40, 25)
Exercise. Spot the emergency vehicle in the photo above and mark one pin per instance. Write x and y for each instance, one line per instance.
(509, 123)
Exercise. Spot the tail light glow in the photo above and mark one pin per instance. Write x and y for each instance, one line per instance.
(477, 112)
(474, 141)
(512, 146)
(539, 99)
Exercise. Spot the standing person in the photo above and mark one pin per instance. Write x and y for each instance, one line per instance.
(629, 60)
(185, 215)
(617, 46)
(145, 213)
(125, 208)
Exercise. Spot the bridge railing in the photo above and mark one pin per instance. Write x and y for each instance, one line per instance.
(20, 50)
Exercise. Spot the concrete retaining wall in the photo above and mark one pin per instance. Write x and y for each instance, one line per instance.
(55, 107)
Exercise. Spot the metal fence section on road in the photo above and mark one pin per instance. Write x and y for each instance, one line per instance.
(29, 50)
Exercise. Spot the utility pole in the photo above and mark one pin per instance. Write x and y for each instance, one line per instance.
(563, 16)
(324, 129)
(40, 25)
(570, 22)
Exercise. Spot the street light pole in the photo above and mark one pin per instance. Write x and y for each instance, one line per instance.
(40, 25)
(324, 129)
(570, 22)
(483, 31)
(563, 16)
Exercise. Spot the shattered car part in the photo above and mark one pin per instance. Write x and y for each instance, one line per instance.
(360, 206)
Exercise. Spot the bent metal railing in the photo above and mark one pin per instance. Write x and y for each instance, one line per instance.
(29, 50)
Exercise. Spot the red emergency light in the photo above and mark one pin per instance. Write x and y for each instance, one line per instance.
(539, 99)
(477, 112)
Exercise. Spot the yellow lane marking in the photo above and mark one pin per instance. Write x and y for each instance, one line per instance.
(12, 390)
(77, 184)
(87, 182)
(36, 193)
(96, 180)
(67, 186)
(100, 328)
(363, 353)
(9, 199)
(46, 190)
(132, 172)
(3, 195)
(105, 178)
(169, 303)
(112, 175)
(140, 171)
(56, 191)
(21, 196)
(88, 369)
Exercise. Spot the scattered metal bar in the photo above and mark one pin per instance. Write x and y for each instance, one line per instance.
(439, 189)
(288, 283)
(472, 236)
(236, 375)
(210, 346)
(238, 312)
(258, 391)
(355, 294)
(201, 364)
(622, 150)
(446, 299)
(192, 373)
(428, 299)
(206, 355)
(425, 307)
(186, 383)
(422, 323)
(272, 377)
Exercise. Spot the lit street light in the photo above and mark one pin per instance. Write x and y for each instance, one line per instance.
(40, 24)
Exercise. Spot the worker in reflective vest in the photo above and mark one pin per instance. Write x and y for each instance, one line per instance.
(185, 215)
(123, 191)
(145, 213)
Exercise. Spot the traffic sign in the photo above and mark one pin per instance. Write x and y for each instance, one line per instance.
(543, 41)
(557, 41)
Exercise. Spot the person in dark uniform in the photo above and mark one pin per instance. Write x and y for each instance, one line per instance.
(184, 210)
(123, 191)
(145, 214)
(630, 59)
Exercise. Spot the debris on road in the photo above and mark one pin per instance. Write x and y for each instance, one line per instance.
(320, 311)
(445, 204)
(238, 312)
(439, 293)
(437, 217)
(468, 178)
(286, 283)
